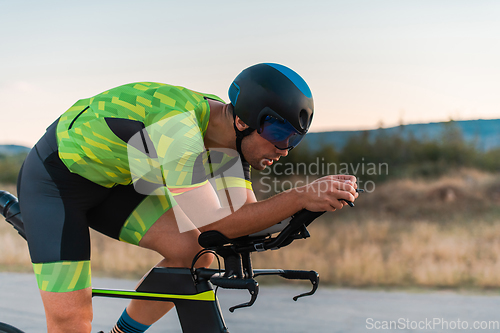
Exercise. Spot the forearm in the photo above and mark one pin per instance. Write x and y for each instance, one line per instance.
(325, 194)
(257, 216)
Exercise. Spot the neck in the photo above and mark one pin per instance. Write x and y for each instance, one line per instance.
(220, 132)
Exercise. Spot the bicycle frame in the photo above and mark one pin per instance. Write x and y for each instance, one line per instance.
(196, 304)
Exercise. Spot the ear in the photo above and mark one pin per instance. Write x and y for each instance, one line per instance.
(240, 125)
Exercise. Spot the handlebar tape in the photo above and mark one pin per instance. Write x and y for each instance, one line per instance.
(299, 275)
(226, 283)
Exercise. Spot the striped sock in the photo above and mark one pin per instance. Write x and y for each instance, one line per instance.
(127, 325)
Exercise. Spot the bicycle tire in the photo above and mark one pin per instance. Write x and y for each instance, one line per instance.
(6, 328)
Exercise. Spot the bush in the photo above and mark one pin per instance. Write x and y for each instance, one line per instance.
(9, 167)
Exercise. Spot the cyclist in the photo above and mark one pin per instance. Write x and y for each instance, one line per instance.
(138, 164)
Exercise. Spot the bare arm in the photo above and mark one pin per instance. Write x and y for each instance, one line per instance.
(253, 216)
(258, 215)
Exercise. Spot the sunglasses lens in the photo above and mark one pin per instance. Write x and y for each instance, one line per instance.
(280, 133)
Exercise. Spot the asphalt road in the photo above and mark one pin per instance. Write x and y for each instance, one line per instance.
(330, 310)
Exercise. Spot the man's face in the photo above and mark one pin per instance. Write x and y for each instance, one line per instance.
(259, 152)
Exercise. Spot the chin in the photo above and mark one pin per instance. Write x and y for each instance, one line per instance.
(258, 166)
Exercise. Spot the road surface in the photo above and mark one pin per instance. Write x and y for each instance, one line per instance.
(330, 310)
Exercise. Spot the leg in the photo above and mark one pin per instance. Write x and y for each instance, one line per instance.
(149, 222)
(54, 203)
(68, 312)
(178, 249)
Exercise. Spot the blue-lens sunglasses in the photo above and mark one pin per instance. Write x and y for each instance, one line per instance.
(280, 132)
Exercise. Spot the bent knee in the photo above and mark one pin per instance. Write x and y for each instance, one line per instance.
(187, 260)
(69, 311)
(66, 324)
(205, 260)
(69, 321)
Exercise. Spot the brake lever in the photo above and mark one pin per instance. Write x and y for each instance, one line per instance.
(303, 275)
(315, 287)
(250, 284)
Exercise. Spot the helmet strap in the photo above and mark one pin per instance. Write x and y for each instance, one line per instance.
(240, 135)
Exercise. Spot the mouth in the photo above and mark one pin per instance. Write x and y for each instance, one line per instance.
(269, 161)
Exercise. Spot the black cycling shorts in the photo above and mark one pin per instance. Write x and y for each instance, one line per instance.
(58, 207)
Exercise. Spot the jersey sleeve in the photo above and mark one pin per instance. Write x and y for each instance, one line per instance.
(177, 144)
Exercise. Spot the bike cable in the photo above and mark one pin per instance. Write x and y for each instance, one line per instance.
(197, 257)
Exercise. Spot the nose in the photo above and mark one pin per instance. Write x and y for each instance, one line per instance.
(282, 152)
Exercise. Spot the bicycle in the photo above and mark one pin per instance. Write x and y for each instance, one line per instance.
(192, 290)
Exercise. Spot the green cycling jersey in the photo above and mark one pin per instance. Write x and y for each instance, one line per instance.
(92, 135)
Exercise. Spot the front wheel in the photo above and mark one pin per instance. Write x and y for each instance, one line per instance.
(5, 328)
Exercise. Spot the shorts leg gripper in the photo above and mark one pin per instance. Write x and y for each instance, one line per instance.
(63, 276)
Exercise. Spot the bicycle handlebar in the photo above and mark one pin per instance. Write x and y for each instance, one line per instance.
(295, 229)
(9, 207)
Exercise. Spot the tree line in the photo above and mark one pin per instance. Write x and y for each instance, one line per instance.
(372, 156)
(379, 156)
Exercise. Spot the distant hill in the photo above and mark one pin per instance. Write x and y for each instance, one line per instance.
(13, 149)
(484, 134)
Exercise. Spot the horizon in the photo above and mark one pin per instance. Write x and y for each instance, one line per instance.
(340, 130)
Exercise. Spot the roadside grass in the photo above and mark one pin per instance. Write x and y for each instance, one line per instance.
(443, 233)
(14, 254)
(391, 254)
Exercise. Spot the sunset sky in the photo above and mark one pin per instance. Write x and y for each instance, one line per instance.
(368, 63)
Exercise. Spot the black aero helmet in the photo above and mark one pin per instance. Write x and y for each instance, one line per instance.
(275, 101)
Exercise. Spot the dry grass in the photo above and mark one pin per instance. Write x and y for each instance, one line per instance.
(443, 233)
(14, 254)
(388, 253)
(439, 233)
(466, 193)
